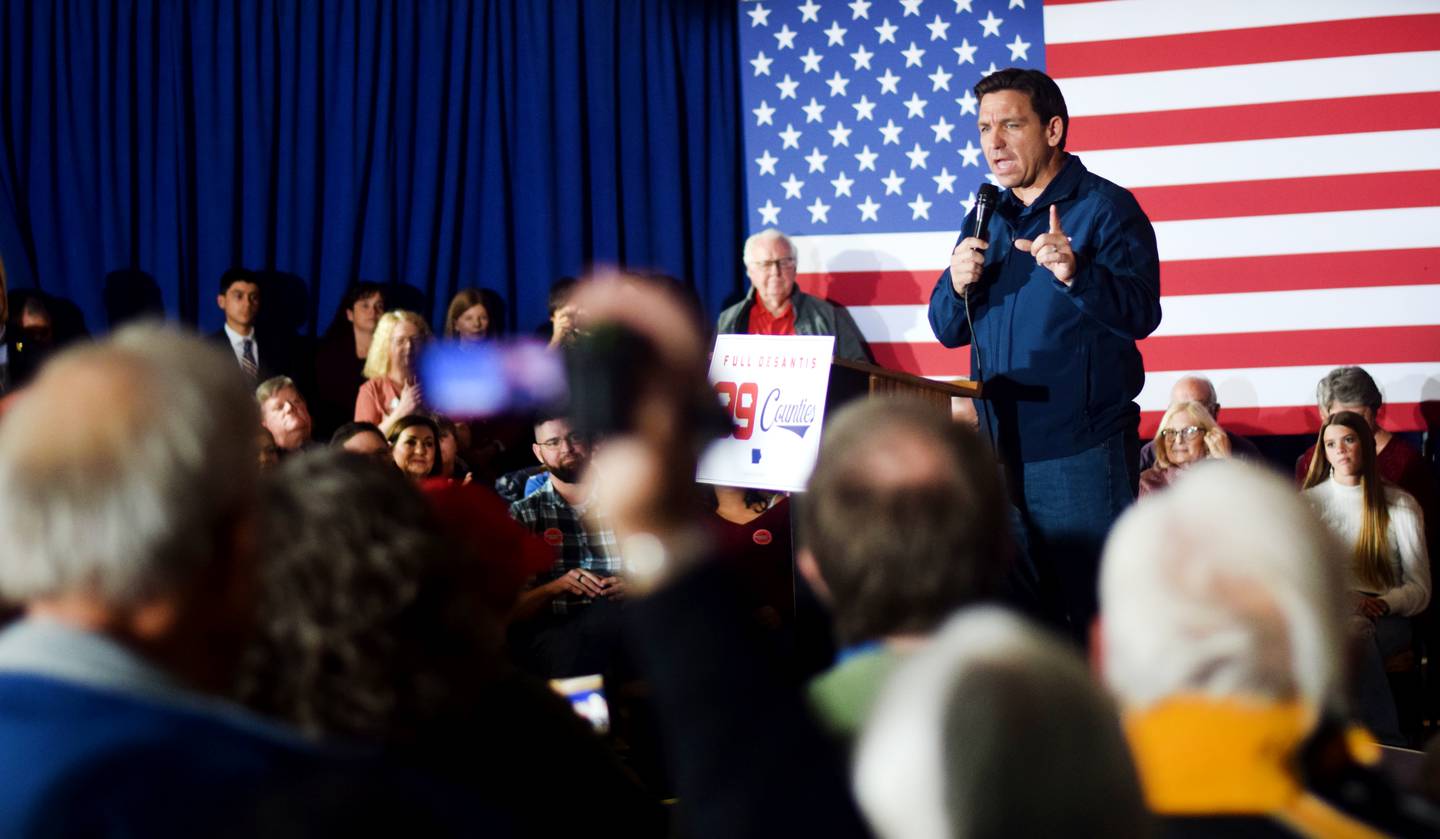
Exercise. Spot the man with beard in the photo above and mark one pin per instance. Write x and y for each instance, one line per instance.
(565, 623)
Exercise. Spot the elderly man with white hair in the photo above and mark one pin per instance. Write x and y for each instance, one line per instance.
(128, 538)
(784, 309)
(1221, 634)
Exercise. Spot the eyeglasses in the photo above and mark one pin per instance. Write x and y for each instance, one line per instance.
(573, 438)
(1186, 434)
(777, 264)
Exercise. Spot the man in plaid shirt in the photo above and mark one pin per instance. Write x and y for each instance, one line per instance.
(566, 621)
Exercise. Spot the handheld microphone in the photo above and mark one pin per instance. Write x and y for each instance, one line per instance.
(985, 199)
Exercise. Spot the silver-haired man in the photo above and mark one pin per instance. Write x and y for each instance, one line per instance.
(784, 309)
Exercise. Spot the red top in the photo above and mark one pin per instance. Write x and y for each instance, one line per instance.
(764, 323)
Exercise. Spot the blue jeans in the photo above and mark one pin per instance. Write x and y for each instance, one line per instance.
(1067, 505)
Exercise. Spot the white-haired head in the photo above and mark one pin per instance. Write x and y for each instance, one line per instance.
(121, 467)
(1224, 585)
(769, 234)
(996, 729)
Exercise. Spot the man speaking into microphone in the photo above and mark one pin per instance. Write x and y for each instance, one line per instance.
(1051, 303)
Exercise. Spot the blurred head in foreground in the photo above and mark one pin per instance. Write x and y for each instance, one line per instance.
(996, 729)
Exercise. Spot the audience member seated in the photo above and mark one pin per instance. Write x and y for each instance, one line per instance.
(269, 452)
(752, 529)
(371, 630)
(362, 438)
(903, 522)
(1221, 632)
(996, 729)
(284, 412)
(340, 358)
(1352, 389)
(1202, 390)
(566, 622)
(513, 486)
(414, 446)
(129, 540)
(1187, 435)
(1389, 566)
(391, 390)
(468, 318)
(259, 357)
(784, 309)
(563, 326)
(452, 466)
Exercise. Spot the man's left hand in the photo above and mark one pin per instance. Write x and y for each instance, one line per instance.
(1052, 249)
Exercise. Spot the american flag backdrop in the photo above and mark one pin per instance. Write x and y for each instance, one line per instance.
(1287, 152)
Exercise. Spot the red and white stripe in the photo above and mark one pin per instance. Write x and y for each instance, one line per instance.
(1288, 154)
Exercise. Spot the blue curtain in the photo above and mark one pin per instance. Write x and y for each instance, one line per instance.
(494, 143)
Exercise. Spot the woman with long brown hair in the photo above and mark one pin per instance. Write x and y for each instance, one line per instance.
(1389, 567)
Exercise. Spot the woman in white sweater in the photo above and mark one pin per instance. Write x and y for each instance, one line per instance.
(1389, 568)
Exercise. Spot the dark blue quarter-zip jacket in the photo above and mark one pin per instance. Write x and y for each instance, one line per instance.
(1059, 365)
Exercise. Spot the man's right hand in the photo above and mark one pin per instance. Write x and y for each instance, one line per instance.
(966, 263)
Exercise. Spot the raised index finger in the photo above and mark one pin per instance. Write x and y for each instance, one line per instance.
(1055, 220)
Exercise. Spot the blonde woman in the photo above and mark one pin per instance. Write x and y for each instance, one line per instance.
(391, 390)
(1187, 434)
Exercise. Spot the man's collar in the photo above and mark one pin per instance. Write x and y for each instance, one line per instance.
(1064, 185)
(236, 337)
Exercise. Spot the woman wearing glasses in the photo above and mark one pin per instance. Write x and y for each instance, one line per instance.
(1188, 434)
(1389, 567)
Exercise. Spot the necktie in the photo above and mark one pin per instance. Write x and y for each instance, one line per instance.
(247, 359)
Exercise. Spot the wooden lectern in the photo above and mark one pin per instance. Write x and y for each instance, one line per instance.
(855, 380)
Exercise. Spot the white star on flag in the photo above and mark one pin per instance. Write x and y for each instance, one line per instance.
(790, 138)
(914, 54)
(866, 159)
(835, 36)
(813, 111)
(769, 214)
(971, 154)
(837, 84)
(942, 130)
(941, 79)
(915, 106)
(864, 108)
(968, 203)
(869, 210)
(965, 54)
(991, 24)
(886, 30)
(1017, 4)
(761, 64)
(938, 28)
(818, 212)
(891, 132)
(912, 7)
(892, 183)
(862, 58)
(967, 103)
(767, 162)
(793, 186)
(811, 59)
(787, 87)
(859, 9)
(810, 11)
(840, 135)
(759, 16)
(963, 6)
(764, 115)
(917, 157)
(889, 83)
(816, 159)
(920, 208)
(944, 182)
(1019, 50)
(785, 38)
(842, 185)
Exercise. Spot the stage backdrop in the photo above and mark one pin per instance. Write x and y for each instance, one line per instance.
(1288, 152)
(497, 143)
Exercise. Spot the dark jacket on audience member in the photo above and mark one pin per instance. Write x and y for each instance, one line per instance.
(813, 316)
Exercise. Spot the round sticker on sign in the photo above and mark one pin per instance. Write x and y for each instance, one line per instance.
(763, 537)
(553, 537)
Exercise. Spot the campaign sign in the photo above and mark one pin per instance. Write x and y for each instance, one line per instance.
(774, 388)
